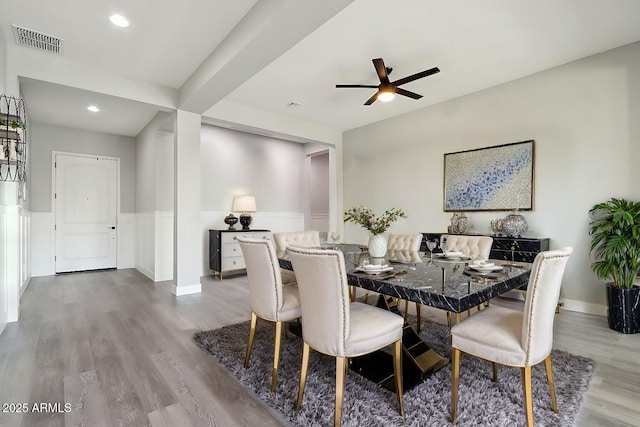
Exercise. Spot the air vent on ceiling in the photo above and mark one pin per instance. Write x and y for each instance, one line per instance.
(37, 40)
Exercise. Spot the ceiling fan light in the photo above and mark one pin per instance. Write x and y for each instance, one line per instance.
(386, 96)
(119, 21)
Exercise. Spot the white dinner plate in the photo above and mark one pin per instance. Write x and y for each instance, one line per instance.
(382, 269)
(485, 268)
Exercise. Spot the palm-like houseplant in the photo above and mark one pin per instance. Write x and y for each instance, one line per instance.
(615, 242)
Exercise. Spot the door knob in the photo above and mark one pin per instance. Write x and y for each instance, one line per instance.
(113, 227)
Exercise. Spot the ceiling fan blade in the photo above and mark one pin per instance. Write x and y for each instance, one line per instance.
(413, 95)
(416, 76)
(378, 63)
(372, 99)
(351, 86)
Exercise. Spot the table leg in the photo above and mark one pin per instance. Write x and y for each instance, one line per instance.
(419, 360)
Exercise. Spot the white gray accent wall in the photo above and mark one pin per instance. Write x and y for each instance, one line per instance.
(234, 163)
(583, 117)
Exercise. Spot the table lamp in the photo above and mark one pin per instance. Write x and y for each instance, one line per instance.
(244, 204)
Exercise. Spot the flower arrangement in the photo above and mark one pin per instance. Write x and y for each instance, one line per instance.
(368, 219)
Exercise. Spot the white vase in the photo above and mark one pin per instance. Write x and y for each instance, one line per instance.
(377, 246)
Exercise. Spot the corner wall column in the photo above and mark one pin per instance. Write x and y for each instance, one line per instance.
(187, 258)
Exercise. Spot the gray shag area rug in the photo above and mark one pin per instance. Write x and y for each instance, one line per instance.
(481, 402)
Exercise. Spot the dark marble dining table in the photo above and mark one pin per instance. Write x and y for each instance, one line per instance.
(445, 283)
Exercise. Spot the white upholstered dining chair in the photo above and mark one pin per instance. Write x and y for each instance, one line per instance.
(333, 325)
(305, 239)
(512, 337)
(474, 247)
(269, 299)
(406, 246)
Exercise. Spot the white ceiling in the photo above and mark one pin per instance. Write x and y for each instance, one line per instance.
(183, 54)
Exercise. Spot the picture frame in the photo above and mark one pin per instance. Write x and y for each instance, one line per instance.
(496, 178)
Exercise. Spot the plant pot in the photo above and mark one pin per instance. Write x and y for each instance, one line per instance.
(377, 246)
(623, 309)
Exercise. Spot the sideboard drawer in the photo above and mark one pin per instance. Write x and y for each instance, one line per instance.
(225, 253)
(231, 250)
(233, 263)
(519, 244)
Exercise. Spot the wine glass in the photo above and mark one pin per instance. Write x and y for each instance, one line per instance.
(431, 245)
(335, 237)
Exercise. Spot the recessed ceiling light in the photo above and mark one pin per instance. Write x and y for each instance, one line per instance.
(93, 108)
(119, 20)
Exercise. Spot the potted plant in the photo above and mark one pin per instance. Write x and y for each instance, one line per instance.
(615, 242)
(377, 225)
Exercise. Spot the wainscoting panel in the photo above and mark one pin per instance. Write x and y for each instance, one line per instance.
(154, 244)
(4, 302)
(145, 243)
(42, 248)
(24, 274)
(320, 222)
(164, 246)
(126, 240)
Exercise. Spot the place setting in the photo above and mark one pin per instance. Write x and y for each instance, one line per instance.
(483, 268)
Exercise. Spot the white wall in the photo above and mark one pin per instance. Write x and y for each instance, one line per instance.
(235, 163)
(154, 200)
(15, 260)
(319, 196)
(3, 62)
(583, 117)
(232, 163)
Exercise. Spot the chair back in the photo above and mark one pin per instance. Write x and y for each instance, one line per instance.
(404, 242)
(475, 247)
(324, 298)
(305, 239)
(543, 292)
(263, 272)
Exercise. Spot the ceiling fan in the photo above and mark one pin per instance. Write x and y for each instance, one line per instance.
(387, 89)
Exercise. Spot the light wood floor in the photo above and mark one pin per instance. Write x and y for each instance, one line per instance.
(118, 349)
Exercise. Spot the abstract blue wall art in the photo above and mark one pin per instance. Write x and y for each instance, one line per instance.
(497, 178)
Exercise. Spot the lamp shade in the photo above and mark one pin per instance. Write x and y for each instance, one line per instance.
(244, 204)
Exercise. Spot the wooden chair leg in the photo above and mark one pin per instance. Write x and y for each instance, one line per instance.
(276, 356)
(528, 394)
(449, 319)
(495, 371)
(252, 334)
(397, 372)
(340, 380)
(418, 308)
(455, 377)
(303, 373)
(552, 387)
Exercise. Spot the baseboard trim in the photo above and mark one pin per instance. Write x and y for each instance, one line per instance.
(146, 272)
(583, 307)
(186, 290)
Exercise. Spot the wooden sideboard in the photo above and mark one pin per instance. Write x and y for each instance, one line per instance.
(225, 255)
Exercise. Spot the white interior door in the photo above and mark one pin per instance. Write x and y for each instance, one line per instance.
(86, 213)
